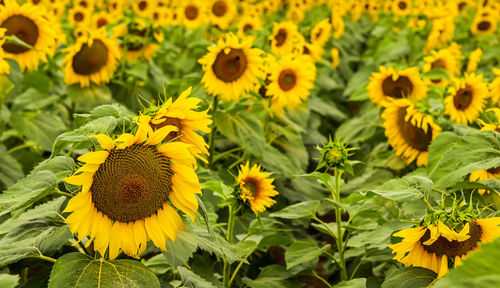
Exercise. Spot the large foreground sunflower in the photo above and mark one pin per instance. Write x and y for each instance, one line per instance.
(93, 58)
(182, 114)
(409, 131)
(28, 24)
(256, 188)
(391, 84)
(466, 99)
(232, 67)
(291, 80)
(125, 188)
(436, 245)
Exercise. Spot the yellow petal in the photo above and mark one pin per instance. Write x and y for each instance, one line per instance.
(114, 240)
(102, 236)
(443, 268)
(154, 231)
(81, 179)
(105, 141)
(140, 235)
(97, 157)
(127, 236)
(167, 225)
(160, 134)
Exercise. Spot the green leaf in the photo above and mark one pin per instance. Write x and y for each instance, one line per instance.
(190, 279)
(303, 251)
(436, 74)
(41, 127)
(179, 252)
(243, 128)
(326, 108)
(415, 277)
(86, 98)
(354, 283)
(10, 170)
(158, 264)
(272, 276)
(37, 80)
(479, 270)
(8, 281)
(305, 209)
(472, 152)
(79, 270)
(361, 127)
(404, 189)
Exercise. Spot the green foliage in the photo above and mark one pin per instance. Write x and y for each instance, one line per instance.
(303, 251)
(407, 188)
(409, 277)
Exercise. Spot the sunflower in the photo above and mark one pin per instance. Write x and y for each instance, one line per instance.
(182, 114)
(222, 12)
(338, 26)
(321, 32)
(408, 131)
(390, 84)
(133, 41)
(295, 15)
(432, 246)
(495, 87)
(78, 16)
(93, 58)
(474, 58)
(484, 25)
(284, 37)
(313, 51)
(102, 19)
(291, 80)
(144, 8)
(466, 99)
(125, 188)
(193, 14)
(401, 7)
(335, 57)
(247, 24)
(232, 67)
(28, 24)
(4, 65)
(444, 59)
(256, 188)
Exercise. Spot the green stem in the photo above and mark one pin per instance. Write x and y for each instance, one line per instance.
(212, 135)
(238, 268)
(46, 258)
(26, 145)
(338, 219)
(356, 269)
(321, 279)
(63, 193)
(229, 238)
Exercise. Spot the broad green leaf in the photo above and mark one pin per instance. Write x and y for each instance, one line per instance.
(303, 251)
(218, 246)
(79, 270)
(86, 98)
(305, 209)
(10, 170)
(243, 128)
(472, 152)
(190, 279)
(37, 80)
(274, 160)
(41, 127)
(360, 127)
(359, 80)
(439, 146)
(479, 270)
(272, 276)
(415, 277)
(405, 189)
(179, 252)
(436, 74)
(326, 108)
(354, 283)
(158, 264)
(8, 281)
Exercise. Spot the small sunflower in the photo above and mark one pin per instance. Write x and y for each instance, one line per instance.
(256, 188)
(338, 26)
(495, 87)
(291, 80)
(408, 131)
(222, 12)
(144, 8)
(444, 59)
(474, 58)
(133, 40)
(284, 37)
(484, 25)
(435, 245)
(28, 24)
(232, 67)
(390, 84)
(182, 114)
(321, 32)
(466, 99)
(92, 58)
(247, 24)
(401, 7)
(313, 51)
(193, 14)
(335, 57)
(102, 19)
(78, 16)
(125, 188)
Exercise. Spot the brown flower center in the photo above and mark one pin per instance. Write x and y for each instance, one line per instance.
(90, 59)
(252, 186)
(23, 28)
(463, 98)
(142, 5)
(438, 64)
(454, 248)
(102, 22)
(287, 79)
(494, 171)
(414, 136)
(191, 12)
(247, 27)
(84, 4)
(219, 8)
(169, 121)
(132, 183)
(461, 6)
(230, 67)
(484, 26)
(402, 5)
(280, 37)
(401, 88)
(78, 16)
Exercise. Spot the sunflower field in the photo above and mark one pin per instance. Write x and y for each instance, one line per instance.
(250, 143)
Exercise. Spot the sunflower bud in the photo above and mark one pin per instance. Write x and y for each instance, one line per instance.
(335, 154)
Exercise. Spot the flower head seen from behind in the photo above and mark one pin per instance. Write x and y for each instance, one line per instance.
(129, 191)
(256, 187)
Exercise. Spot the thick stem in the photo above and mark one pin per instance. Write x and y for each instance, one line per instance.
(229, 238)
(338, 219)
(212, 135)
